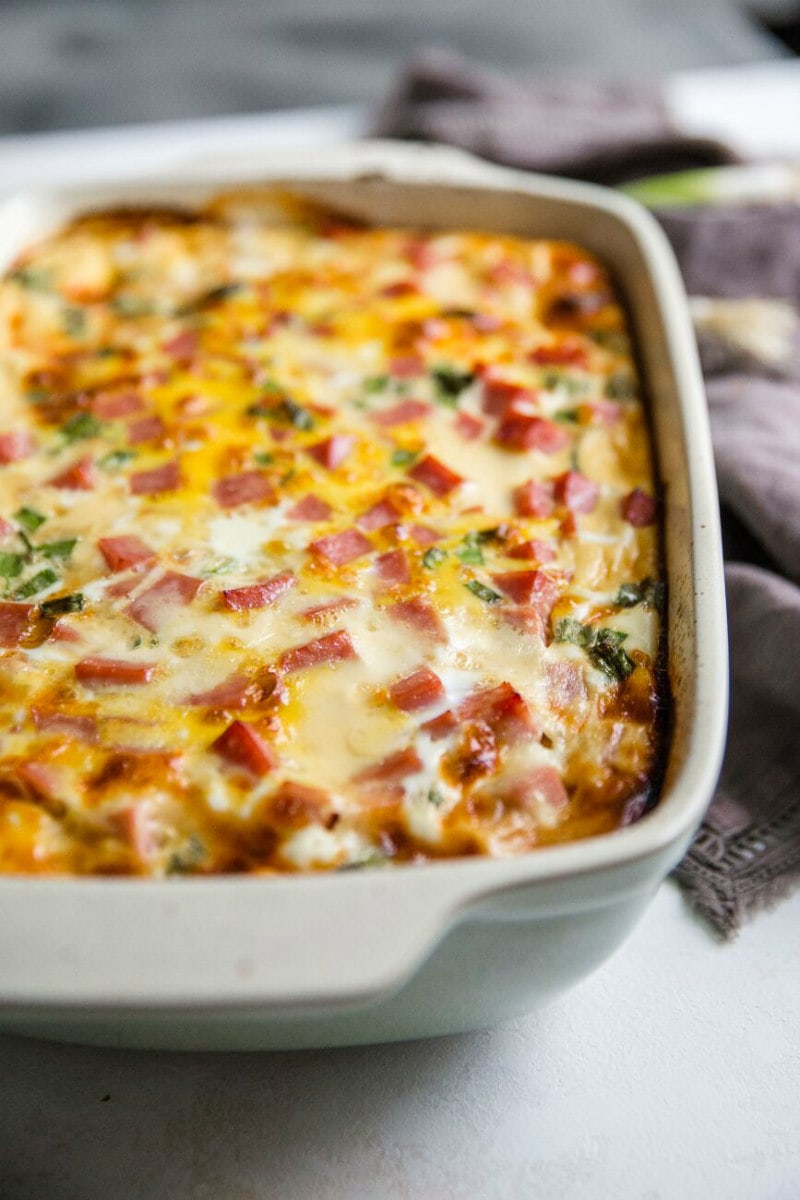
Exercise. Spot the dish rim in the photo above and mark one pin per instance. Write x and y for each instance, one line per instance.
(458, 883)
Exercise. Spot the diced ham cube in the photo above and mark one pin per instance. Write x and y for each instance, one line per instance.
(544, 786)
(391, 769)
(16, 622)
(639, 508)
(332, 452)
(405, 366)
(503, 709)
(566, 684)
(604, 412)
(534, 588)
(499, 395)
(534, 499)
(310, 508)
(468, 426)
(533, 551)
(420, 615)
(416, 691)
(330, 648)
(5, 527)
(392, 568)
(435, 475)
(441, 726)
(122, 553)
(135, 825)
(297, 805)
(166, 478)
(170, 591)
(82, 728)
(115, 672)
(242, 746)
(575, 491)
(183, 346)
(319, 613)
(519, 431)
(147, 429)
(43, 780)
(109, 406)
(381, 514)
(247, 487)
(237, 691)
(342, 548)
(560, 354)
(401, 413)
(423, 535)
(80, 477)
(258, 595)
(15, 446)
(527, 620)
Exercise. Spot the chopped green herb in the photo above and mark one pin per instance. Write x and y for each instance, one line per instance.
(470, 551)
(27, 543)
(187, 858)
(570, 630)
(483, 592)
(376, 383)
(272, 385)
(373, 859)
(433, 556)
(36, 395)
(116, 459)
(37, 583)
(74, 322)
(465, 314)
(62, 604)
(621, 386)
(404, 458)
(61, 549)
(649, 592)
(567, 416)
(450, 383)
(221, 568)
(610, 339)
(11, 564)
(126, 305)
(264, 458)
(603, 646)
(36, 279)
(30, 519)
(606, 653)
(207, 299)
(136, 642)
(297, 415)
(285, 409)
(82, 425)
(288, 476)
(435, 797)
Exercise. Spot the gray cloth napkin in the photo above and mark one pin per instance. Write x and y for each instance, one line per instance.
(745, 263)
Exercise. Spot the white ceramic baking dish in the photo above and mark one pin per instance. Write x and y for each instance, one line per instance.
(403, 952)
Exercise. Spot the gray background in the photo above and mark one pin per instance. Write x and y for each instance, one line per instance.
(76, 63)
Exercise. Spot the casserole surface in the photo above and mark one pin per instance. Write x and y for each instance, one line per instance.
(309, 959)
(323, 545)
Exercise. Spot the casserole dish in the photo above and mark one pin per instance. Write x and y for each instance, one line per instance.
(379, 955)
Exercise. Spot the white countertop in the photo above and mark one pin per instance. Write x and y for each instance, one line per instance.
(672, 1074)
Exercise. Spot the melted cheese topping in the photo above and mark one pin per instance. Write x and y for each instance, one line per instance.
(320, 546)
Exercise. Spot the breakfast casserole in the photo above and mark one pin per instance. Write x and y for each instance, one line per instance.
(321, 546)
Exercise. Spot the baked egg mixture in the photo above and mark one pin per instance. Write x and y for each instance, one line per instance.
(321, 546)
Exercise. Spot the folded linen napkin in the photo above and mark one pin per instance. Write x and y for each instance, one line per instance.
(743, 265)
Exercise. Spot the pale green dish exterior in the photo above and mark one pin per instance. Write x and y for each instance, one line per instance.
(393, 953)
